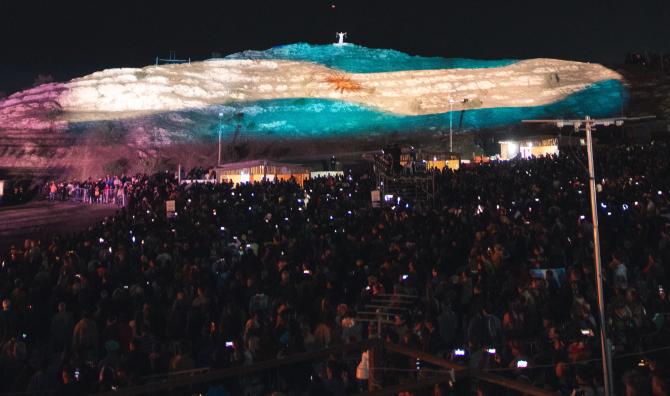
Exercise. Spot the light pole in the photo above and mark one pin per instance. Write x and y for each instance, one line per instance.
(588, 123)
(451, 131)
(451, 114)
(218, 162)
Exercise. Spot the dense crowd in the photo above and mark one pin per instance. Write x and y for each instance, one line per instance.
(500, 263)
(107, 190)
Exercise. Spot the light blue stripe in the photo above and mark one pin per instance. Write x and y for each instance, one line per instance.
(357, 59)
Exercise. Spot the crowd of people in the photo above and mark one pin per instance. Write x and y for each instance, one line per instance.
(107, 190)
(500, 263)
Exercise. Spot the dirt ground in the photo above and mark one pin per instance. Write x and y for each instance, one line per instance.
(40, 219)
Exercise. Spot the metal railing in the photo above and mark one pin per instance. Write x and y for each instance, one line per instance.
(446, 372)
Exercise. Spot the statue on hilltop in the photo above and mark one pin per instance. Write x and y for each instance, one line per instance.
(340, 38)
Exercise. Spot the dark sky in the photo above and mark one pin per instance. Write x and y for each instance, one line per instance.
(68, 38)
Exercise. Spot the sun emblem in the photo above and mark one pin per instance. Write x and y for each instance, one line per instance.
(341, 82)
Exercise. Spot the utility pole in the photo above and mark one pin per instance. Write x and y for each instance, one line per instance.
(451, 131)
(604, 341)
(451, 121)
(588, 123)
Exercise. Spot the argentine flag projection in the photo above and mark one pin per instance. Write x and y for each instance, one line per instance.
(303, 91)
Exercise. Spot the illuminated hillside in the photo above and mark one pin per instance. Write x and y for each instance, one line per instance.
(283, 97)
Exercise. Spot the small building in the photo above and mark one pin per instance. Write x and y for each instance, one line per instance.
(259, 170)
(432, 160)
(443, 160)
(536, 146)
(317, 174)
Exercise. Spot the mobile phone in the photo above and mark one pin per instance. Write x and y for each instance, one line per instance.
(521, 364)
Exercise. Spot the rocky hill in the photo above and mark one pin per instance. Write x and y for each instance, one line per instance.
(287, 101)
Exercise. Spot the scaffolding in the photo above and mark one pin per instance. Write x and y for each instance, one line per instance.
(414, 182)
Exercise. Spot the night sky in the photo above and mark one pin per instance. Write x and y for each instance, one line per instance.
(68, 38)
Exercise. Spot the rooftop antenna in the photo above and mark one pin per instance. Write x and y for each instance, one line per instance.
(587, 124)
(340, 37)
